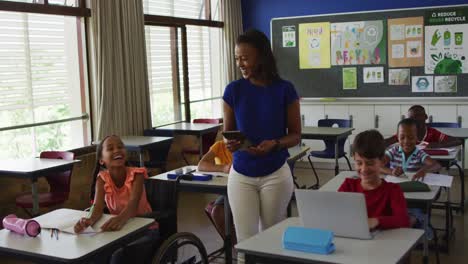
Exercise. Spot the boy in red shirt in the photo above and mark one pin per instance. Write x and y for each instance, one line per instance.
(427, 136)
(386, 205)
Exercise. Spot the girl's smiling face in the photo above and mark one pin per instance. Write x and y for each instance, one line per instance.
(113, 152)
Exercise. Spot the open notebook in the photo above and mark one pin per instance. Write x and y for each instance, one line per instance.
(66, 220)
(429, 179)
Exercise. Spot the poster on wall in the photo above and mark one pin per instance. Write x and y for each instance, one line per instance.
(314, 45)
(289, 36)
(361, 42)
(373, 74)
(405, 42)
(422, 84)
(445, 84)
(446, 44)
(349, 78)
(399, 76)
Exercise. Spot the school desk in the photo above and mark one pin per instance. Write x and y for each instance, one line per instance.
(218, 185)
(328, 133)
(32, 169)
(425, 198)
(141, 143)
(69, 248)
(185, 128)
(389, 246)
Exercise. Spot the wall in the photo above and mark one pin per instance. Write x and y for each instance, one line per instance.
(258, 13)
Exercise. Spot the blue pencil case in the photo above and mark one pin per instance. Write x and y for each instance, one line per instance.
(308, 240)
(191, 177)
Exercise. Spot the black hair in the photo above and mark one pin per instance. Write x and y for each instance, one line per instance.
(98, 166)
(266, 66)
(407, 122)
(417, 108)
(369, 144)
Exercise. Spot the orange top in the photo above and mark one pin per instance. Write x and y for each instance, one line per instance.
(117, 198)
(222, 155)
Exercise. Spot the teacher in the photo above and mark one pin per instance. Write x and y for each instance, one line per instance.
(265, 108)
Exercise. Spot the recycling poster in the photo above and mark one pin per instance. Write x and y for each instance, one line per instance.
(446, 41)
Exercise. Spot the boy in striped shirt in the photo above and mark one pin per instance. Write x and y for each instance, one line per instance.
(405, 156)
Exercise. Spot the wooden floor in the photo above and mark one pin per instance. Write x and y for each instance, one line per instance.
(193, 219)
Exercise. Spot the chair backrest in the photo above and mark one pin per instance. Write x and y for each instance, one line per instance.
(332, 122)
(209, 138)
(329, 144)
(59, 182)
(444, 124)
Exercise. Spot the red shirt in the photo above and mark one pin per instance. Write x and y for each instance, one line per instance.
(432, 135)
(386, 203)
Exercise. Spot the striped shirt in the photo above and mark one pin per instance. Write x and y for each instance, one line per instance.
(398, 159)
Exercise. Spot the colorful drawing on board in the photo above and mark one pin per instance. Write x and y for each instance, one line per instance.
(349, 78)
(289, 36)
(422, 84)
(445, 84)
(373, 74)
(360, 42)
(314, 45)
(446, 50)
(399, 76)
(405, 49)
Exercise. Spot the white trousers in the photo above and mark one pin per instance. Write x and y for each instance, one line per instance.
(259, 202)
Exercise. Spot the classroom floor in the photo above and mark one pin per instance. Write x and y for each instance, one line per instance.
(193, 219)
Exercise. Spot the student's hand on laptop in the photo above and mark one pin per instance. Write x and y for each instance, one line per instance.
(398, 171)
(373, 223)
(419, 176)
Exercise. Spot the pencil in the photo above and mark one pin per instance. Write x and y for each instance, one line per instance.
(90, 213)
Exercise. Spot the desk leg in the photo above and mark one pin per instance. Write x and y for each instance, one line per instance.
(426, 227)
(142, 163)
(337, 169)
(249, 259)
(35, 196)
(227, 231)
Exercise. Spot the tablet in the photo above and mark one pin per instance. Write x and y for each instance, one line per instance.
(237, 135)
(233, 135)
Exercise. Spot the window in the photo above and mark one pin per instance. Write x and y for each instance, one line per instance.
(41, 79)
(165, 60)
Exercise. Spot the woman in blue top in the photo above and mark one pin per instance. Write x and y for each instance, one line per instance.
(265, 109)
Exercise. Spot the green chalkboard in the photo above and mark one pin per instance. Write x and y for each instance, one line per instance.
(328, 82)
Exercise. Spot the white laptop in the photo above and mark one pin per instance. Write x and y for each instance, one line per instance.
(344, 213)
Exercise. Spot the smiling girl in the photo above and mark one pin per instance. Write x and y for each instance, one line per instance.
(121, 189)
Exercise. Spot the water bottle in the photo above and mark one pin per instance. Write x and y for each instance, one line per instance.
(27, 227)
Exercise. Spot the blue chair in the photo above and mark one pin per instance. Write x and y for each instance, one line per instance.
(329, 151)
(444, 124)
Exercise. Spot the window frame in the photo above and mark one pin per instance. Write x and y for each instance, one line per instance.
(46, 8)
(80, 11)
(174, 23)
